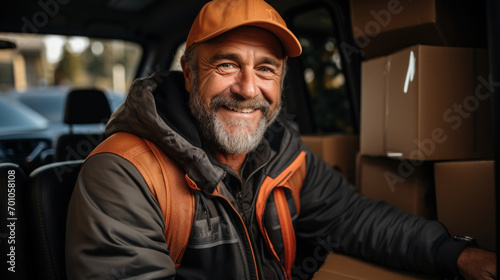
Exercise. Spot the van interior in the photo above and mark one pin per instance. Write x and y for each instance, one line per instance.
(398, 95)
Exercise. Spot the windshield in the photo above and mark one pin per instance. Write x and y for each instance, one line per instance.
(44, 68)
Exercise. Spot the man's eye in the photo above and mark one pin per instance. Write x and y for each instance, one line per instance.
(266, 69)
(227, 67)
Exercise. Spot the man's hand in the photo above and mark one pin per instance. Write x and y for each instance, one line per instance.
(474, 263)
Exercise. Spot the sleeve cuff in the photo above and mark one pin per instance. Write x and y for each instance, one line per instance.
(447, 256)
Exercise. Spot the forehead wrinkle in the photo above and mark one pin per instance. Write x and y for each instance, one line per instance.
(223, 55)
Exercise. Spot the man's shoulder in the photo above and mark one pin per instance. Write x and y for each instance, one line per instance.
(123, 144)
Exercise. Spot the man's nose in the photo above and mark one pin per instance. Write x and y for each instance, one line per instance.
(245, 84)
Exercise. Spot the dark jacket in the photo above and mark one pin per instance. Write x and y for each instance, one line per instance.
(116, 230)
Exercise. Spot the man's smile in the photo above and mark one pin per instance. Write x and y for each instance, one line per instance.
(241, 110)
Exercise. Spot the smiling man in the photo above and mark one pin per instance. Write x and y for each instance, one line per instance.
(189, 185)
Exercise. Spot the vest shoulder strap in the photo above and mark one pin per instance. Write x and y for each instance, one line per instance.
(167, 182)
(291, 178)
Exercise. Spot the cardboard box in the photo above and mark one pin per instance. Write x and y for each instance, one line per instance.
(382, 26)
(337, 150)
(427, 103)
(408, 187)
(465, 196)
(342, 267)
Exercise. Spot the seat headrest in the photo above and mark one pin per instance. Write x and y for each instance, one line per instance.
(86, 106)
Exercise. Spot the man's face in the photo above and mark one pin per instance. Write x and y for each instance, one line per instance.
(235, 94)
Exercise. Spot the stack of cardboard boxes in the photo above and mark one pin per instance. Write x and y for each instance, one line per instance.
(420, 106)
(426, 119)
(426, 142)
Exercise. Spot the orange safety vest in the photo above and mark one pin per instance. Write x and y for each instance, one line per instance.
(167, 181)
(164, 178)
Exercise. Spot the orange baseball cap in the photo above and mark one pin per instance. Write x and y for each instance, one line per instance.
(220, 16)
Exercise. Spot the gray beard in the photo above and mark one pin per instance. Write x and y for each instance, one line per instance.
(241, 141)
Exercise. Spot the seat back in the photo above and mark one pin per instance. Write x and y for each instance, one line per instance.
(14, 258)
(83, 106)
(76, 146)
(49, 191)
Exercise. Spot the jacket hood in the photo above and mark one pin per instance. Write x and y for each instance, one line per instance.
(148, 112)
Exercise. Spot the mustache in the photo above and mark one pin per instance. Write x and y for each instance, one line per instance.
(239, 103)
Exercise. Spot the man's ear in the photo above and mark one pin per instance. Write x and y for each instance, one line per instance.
(187, 74)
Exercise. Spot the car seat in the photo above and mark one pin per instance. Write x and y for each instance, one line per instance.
(49, 191)
(83, 106)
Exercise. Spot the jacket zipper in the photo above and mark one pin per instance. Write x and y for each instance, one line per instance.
(247, 235)
(207, 211)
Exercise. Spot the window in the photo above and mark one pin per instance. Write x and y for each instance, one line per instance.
(68, 61)
(323, 71)
(42, 69)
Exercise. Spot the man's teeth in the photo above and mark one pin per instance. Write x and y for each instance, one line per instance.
(242, 110)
